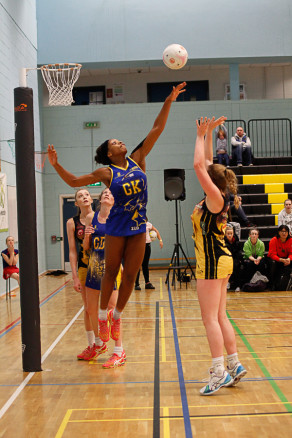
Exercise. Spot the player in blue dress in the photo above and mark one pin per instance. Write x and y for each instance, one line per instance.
(94, 240)
(125, 229)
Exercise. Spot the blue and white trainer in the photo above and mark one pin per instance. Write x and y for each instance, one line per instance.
(237, 372)
(216, 382)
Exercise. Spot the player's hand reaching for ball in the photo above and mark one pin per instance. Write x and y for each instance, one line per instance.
(202, 126)
(214, 123)
(176, 91)
(52, 154)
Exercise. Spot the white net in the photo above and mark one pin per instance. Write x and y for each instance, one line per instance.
(60, 80)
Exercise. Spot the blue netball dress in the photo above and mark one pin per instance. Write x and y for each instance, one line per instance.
(129, 188)
(96, 262)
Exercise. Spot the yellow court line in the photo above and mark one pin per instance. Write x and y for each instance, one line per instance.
(196, 360)
(237, 405)
(64, 423)
(163, 350)
(136, 408)
(112, 420)
(248, 415)
(166, 430)
(161, 289)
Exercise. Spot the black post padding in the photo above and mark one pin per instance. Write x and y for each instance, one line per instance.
(27, 229)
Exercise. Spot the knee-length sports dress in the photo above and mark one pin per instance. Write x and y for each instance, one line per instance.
(96, 263)
(129, 189)
(213, 259)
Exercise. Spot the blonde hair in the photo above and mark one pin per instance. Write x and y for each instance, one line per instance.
(75, 197)
(225, 179)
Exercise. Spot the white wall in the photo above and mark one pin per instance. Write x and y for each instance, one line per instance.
(261, 81)
(18, 48)
(118, 31)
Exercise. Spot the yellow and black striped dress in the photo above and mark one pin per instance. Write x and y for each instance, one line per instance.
(213, 259)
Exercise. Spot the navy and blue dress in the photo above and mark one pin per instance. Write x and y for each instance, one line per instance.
(129, 189)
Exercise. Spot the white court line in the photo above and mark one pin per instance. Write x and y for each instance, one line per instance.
(44, 357)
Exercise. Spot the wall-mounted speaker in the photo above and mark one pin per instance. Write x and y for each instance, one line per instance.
(174, 184)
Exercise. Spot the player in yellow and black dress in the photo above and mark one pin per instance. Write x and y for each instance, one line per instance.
(79, 258)
(214, 261)
(125, 231)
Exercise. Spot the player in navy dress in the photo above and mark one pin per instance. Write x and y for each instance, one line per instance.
(95, 240)
(125, 229)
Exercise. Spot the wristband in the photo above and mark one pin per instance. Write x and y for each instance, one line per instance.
(160, 240)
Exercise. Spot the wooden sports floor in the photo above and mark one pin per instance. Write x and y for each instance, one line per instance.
(156, 393)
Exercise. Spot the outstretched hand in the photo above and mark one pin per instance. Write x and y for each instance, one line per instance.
(202, 126)
(214, 123)
(52, 155)
(176, 91)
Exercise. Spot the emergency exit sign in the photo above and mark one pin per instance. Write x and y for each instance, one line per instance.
(97, 184)
(91, 125)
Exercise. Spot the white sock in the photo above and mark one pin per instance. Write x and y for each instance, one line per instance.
(232, 359)
(218, 365)
(118, 350)
(117, 314)
(102, 314)
(90, 337)
(98, 341)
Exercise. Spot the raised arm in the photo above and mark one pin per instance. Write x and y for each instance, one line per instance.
(99, 175)
(214, 197)
(158, 127)
(88, 231)
(209, 141)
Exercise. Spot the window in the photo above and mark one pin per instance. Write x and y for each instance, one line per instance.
(94, 95)
(195, 90)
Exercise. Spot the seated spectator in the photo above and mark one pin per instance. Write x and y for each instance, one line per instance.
(285, 215)
(234, 246)
(239, 212)
(241, 148)
(280, 256)
(221, 145)
(10, 259)
(253, 255)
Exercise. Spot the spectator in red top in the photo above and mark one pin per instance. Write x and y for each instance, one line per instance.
(280, 257)
(10, 259)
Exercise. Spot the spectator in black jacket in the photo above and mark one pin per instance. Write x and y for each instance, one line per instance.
(234, 246)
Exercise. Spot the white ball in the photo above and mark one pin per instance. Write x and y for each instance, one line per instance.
(153, 235)
(175, 56)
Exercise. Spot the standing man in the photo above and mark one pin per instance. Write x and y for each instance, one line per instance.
(285, 215)
(241, 148)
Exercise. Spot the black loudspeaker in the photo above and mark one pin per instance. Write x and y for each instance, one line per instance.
(174, 184)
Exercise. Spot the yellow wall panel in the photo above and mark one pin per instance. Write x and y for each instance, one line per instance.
(264, 179)
(277, 198)
(276, 208)
(274, 188)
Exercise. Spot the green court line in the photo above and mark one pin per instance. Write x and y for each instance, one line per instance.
(266, 373)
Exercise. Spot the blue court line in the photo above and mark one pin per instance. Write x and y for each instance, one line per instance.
(44, 302)
(150, 382)
(183, 394)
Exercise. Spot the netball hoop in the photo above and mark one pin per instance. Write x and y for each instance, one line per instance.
(60, 80)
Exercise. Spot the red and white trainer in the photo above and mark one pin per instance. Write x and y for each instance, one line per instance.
(115, 326)
(115, 360)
